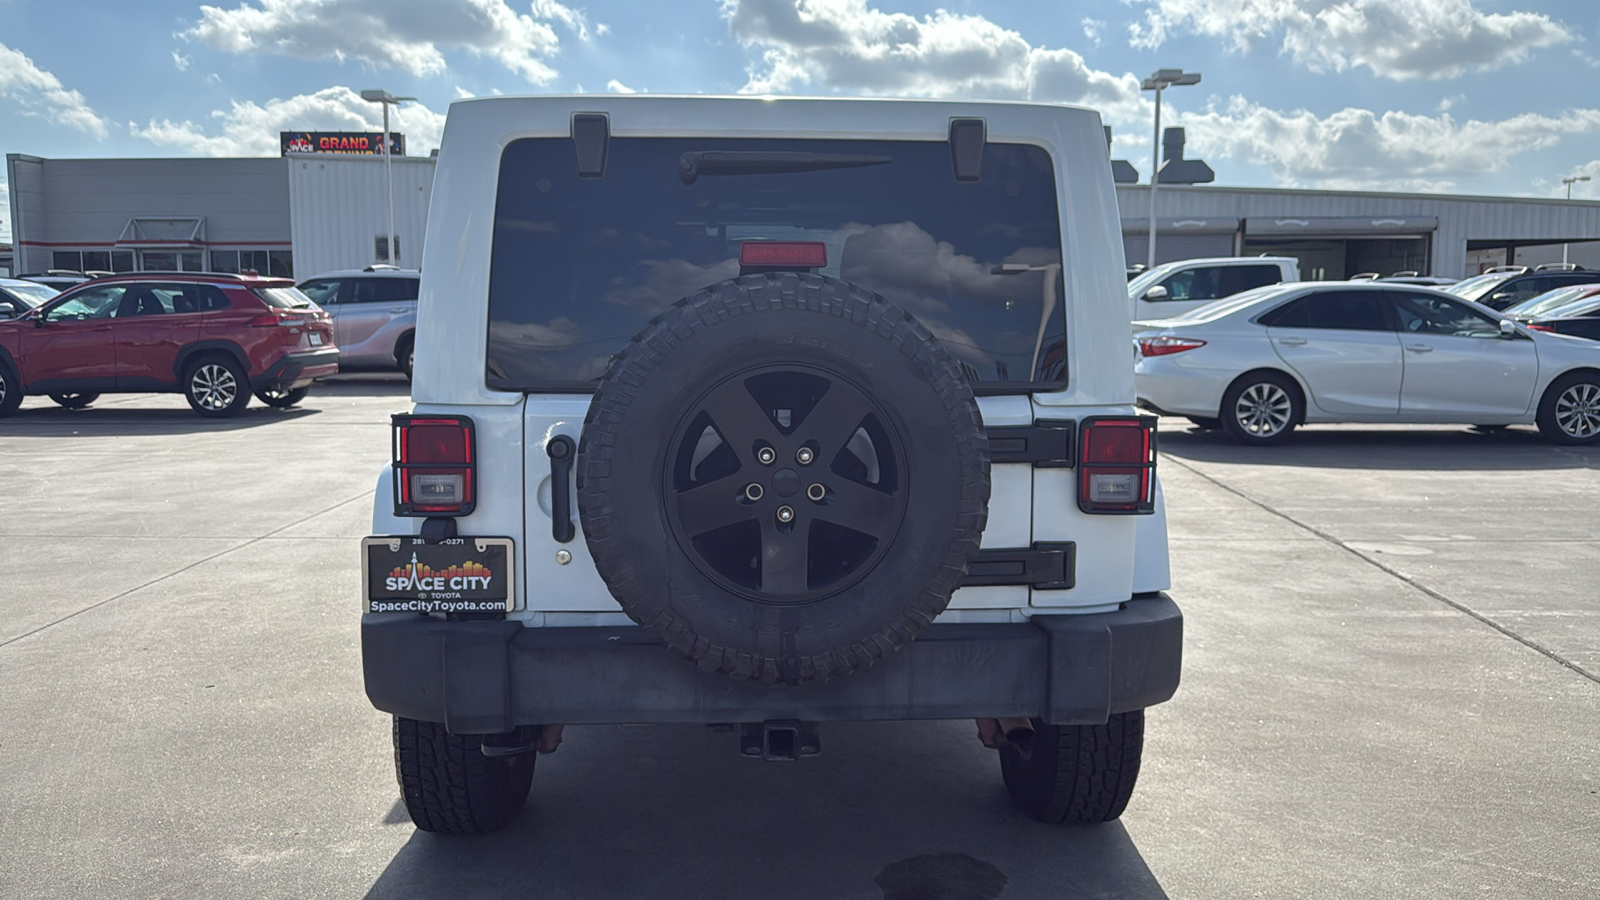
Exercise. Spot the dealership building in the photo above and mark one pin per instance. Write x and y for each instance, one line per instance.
(311, 212)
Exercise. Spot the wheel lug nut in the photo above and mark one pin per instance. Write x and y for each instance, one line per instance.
(753, 491)
(816, 492)
(804, 456)
(767, 456)
(786, 514)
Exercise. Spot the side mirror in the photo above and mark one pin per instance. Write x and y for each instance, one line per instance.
(1508, 329)
(7, 308)
(1502, 295)
(1156, 293)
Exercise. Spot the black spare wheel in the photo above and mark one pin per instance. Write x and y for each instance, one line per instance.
(783, 477)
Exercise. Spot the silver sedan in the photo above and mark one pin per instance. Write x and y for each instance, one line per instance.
(1258, 364)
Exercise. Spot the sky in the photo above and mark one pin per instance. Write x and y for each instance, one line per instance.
(1458, 96)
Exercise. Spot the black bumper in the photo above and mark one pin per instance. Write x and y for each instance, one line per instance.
(488, 677)
(298, 369)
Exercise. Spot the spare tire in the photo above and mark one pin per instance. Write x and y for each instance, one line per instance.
(783, 477)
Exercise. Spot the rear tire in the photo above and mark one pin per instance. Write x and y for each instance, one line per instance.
(405, 354)
(10, 391)
(1262, 408)
(449, 786)
(1569, 411)
(74, 401)
(216, 387)
(282, 398)
(1076, 774)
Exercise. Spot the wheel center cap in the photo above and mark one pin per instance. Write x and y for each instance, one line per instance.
(786, 482)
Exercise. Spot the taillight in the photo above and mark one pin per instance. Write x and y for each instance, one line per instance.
(270, 320)
(1117, 465)
(793, 254)
(1163, 346)
(434, 464)
(1541, 328)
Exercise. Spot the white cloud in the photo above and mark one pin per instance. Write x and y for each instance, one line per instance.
(41, 94)
(181, 61)
(1094, 30)
(617, 87)
(411, 35)
(847, 45)
(1399, 39)
(249, 129)
(1361, 149)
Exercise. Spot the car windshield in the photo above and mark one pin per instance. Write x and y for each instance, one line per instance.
(1478, 287)
(1584, 306)
(580, 265)
(1549, 300)
(1230, 305)
(1138, 286)
(284, 297)
(31, 294)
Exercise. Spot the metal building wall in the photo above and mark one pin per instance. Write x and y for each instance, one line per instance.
(337, 210)
(71, 203)
(1461, 219)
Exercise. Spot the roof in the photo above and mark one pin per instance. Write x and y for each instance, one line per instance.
(368, 272)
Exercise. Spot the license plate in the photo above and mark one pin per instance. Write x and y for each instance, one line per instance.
(407, 574)
(316, 338)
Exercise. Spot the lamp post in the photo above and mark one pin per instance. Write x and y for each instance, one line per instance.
(388, 100)
(1157, 82)
(1568, 182)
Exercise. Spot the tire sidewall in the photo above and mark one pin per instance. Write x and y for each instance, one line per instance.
(11, 385)
(662, 588)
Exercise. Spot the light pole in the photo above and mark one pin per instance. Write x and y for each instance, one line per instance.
(1568, 182)
(1157, 82)
(388, 100)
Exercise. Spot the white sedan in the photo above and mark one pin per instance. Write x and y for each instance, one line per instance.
(1262, 362)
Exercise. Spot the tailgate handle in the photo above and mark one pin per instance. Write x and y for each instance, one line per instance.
(561, 451)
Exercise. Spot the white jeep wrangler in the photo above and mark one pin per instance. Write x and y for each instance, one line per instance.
(766, 413)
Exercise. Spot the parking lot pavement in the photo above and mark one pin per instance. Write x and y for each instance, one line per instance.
(1389, 690)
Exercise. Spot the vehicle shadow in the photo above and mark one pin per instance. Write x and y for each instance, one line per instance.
(890, 810)
(1417, 448)
(126, 421)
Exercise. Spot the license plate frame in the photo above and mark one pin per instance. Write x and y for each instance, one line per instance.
(406, 574)
(315, 338)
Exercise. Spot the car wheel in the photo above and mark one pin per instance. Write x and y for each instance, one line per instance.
(10, 392)
(216, 387)
(449, 786)
(74, 401)
(1075, 774)
(1261, 408)
(406, 355)
(1205, 423)
(745, 478)
(1569, 412)
(282, 397)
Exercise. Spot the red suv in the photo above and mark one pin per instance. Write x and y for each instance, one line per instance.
(214, 338)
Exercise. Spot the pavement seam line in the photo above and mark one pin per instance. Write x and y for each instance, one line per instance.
(1458, 607)
(176, 572)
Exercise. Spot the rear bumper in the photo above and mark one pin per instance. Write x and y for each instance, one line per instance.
(489, 677)
(299, 369)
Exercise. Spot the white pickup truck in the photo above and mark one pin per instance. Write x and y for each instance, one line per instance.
(1172, 289)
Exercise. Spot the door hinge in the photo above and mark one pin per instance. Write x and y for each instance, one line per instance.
(1047, 566)
(1046, 443)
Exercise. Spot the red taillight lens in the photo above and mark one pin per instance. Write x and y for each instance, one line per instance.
(1541, 328)
(794, 254)
(1117, 465)
(269, 320)
(1163, 346)
(434, 466)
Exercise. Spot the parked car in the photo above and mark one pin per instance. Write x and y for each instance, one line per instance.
(18, 296)
(700, 445)
(1172, 289)
(1533, 308)
(1504, 288)
(374, 314)
(213, 338)
(1580, 318)
(1434, 281)
(1264, 362)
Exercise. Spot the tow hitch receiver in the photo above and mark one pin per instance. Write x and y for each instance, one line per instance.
(781, 739)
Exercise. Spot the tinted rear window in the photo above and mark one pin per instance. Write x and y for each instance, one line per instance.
(283, 297)
(579, 265)
(1341, 310)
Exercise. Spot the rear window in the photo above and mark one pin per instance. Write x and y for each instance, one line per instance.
(579, 265)
(283, 297)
